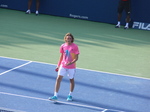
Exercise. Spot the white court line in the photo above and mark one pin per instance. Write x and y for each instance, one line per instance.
(104, 110)
(80, 105)
(125, 75)
(16, 68)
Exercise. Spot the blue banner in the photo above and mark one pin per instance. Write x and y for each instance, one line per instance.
(92, 10)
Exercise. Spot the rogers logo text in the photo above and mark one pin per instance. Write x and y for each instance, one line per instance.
(140, 25)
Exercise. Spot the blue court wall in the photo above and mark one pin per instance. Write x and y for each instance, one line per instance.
(92, 10)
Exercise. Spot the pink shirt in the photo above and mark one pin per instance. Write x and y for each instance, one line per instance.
(69, 52)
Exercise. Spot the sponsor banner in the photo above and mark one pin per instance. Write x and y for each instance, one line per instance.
(141, 25)
(93, 10)
(78, 16)
(3, 6)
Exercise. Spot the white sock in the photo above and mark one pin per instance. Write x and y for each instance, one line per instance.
(70, 93)
(55, 94)
(118, 23)
(37, 12)
(127, 24)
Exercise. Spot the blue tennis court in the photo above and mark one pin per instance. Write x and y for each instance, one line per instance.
(26, 85)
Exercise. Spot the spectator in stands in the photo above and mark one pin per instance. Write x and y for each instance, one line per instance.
(29, 6)
(124, 5)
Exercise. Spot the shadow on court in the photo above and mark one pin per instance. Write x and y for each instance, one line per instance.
(51, 77)
(100, 90)
(78, 101)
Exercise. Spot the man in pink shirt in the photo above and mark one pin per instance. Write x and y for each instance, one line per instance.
(66, 65)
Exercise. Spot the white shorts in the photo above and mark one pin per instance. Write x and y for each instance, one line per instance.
(65, 71)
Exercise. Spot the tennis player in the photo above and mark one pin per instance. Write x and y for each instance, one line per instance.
(66, 65)
(124, 5)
